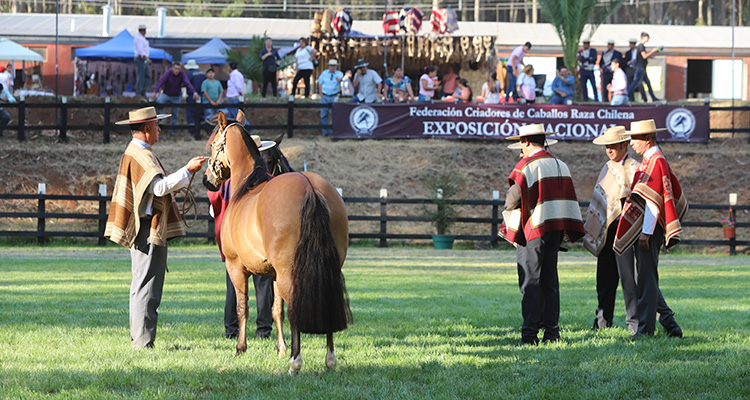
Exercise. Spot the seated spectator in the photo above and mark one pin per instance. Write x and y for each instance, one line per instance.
(563, 87)
(398, 87)
(526, 84)
(491, 89)
(462, 94)
(428, 83)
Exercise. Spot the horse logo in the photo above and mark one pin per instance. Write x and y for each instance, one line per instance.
(681, 123)
(363, 119)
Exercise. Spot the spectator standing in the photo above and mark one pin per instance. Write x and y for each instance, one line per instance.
(270, 58)
(6, 79)
(169, 90)
(212, 92)
(347, 87)
(196, 78)
(526, 84)
(306, 61)
(630, 59)
(368, 83)
(235, 91)
(450, 81)
(491, 89)
(641, 61)
(428, 83)
(5, 97)
(398, 87)
(563, 87)
(330, 87)
(142, 62)
(463, 93)
(618, 87)
(586, 62)
(516, 59)
(605, 67)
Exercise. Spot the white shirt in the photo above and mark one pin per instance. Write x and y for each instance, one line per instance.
(368, 86)
(303, 59)
(6, 79)
(516, 57)
(141, 45)
(235, 84)
(651, 214)
(160, 186)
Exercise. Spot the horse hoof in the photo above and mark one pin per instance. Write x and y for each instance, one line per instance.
(295, 364)
(331, 361)
(281, 350)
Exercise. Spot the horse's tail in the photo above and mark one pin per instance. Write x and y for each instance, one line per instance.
(319, 301)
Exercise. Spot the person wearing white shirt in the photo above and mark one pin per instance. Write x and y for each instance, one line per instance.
(235, 91)
(142, 62)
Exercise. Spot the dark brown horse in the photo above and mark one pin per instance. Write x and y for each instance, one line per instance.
(293, 228)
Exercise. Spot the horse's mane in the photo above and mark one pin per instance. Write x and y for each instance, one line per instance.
(260, 171)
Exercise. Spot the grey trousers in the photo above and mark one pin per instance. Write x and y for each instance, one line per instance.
(540, 287)
(651, 303)
(611, 269)
(148, 266)
(142, 76)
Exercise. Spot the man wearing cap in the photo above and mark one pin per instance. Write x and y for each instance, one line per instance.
(586, 62)
(611, 190)
(368, 83)
(142, 62)
(143, 216)
(169, 90)
(541, 207)
(605, 67)
(651, 217)
(195, 77)
(330, 86)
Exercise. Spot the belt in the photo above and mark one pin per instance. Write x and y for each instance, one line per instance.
(330, 95)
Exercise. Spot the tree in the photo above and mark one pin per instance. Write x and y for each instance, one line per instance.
(570, 18)
(248, 61)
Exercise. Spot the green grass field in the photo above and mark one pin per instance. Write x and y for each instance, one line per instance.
(428, 325)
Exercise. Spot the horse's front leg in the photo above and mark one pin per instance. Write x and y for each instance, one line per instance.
(239, 279)
(330, 354)
(278, 317)
(295, 361)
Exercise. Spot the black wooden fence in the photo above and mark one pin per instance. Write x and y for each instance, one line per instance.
(491, 221)
(64, 107)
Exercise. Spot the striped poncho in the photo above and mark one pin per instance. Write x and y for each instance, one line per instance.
(655, 182)
(138, 167)
(548, 199)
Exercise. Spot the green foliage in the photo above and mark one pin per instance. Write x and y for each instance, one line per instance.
(428, 325)
(443, 214)
(248, 60)
(570, 18)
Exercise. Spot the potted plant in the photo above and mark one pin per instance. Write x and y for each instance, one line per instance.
(729, 228)
(441, 212)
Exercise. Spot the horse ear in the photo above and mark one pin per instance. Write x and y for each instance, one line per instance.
(222, 120)
(278, 139)
(240, 117)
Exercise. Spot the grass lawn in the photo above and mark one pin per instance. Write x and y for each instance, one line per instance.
(428, 325)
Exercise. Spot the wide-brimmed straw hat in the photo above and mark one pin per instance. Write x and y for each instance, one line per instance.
(333, 62)
(142, 115)
(615, 134)
(530, 130)
(191, 64)
(519, 146)
(262, 144)
(645, 127)
(361, 63)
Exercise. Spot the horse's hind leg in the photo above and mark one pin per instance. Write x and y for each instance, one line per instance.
(295, 362)
(278, 317)
(239, 280)
(330, 354)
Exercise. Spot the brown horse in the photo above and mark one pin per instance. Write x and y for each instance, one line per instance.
(293, 228)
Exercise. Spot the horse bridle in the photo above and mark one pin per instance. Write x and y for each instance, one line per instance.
(214, 163)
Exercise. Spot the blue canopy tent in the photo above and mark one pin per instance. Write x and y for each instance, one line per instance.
(213, 52)
(119, 48)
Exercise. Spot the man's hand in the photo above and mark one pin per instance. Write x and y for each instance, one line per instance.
(643, 241)
(195, 164)
(196, 97)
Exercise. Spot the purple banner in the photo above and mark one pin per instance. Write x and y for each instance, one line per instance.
(480, 121)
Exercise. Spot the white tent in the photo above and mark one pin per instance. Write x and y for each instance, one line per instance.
(10, 50)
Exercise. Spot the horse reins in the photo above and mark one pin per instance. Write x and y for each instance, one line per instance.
(188, 202)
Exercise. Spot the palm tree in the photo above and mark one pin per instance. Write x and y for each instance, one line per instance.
(570, 18)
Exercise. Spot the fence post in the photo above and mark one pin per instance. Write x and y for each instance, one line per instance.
(40, 224)
(64, 119)
(107, 110)
(102, 214)
(22, 119)
(290, 117)
(198, 111)
(493, 226)
(383, 215)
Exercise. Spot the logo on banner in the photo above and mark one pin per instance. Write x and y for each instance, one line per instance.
(363, 119)
(681, 123)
